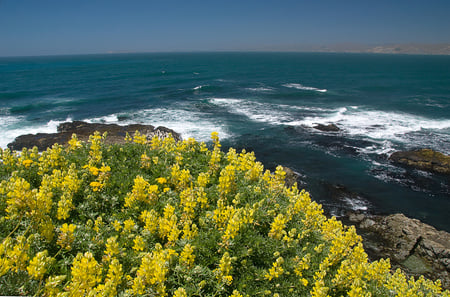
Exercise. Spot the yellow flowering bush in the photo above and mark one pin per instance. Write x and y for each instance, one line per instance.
(155, 217)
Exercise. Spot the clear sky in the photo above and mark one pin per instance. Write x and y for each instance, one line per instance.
(48, 27)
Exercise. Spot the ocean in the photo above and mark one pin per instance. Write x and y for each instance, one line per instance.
(267, 103)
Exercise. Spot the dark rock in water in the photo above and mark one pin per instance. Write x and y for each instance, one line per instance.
(341, 199)
(115, 134)
(412, 245)
(424, 159)
(327, 128)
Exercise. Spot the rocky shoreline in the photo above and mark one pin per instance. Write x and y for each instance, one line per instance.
(116, 134)
(417, 248)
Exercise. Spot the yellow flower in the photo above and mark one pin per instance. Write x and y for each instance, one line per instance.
(227, 180)
(96, 186)
(236, 294)
(74, 143)
(203, 179)
(180, 292)
(64, 206)
(153, 270)
(190, 230)
(129, 225)
(150, 219)
(38, 265)
(145, 161)
(277, 227)
(114, 276)
(187, 256)
(161, 180)
(139, 243)
(117, 226)
(215, 139)
(98, 224)
(168, 224)
(27, 163)
(142, 191)
(86, 274)
(112, 247)
(276, 270)
(52, 284)
(95, 152)
(224, 269)
(66, 237)
(94, 170)
(139, 138)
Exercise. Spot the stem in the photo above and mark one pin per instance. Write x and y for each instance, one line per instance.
(17, 226)
(39, 288)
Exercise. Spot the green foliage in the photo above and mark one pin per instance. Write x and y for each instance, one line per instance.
(159, 218)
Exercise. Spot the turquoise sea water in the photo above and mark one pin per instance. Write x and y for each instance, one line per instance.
(266, 102)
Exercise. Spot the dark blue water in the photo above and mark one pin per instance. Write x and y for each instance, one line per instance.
(267, 102)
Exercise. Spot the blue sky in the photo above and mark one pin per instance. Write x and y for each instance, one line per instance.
(48, 27)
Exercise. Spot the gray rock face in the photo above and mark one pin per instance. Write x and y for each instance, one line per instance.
(115, 134)
(424, 159)
(414, 246)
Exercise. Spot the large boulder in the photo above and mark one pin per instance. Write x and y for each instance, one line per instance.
(424, 159)
(115, 134)
(412, 245)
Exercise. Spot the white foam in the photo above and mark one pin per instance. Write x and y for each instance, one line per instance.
(385, 147)
(256, 111)
(187, 123)
(260, 89)
(12, 128)
(197, 88)
(356, 204)
(375, 124)
(382, 128)
(304, 88)
(107, 119)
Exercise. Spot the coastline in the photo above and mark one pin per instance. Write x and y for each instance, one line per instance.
(416, 247)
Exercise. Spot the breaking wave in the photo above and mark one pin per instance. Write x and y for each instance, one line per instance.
(304, 88)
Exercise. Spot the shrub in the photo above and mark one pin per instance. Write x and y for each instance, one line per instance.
(159, 218)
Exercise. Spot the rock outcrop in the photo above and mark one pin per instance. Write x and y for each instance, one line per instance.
(327, 128)
(115, 134)
(412, 245)
(424, 159)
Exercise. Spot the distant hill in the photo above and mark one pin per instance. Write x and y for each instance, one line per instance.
(419, 49)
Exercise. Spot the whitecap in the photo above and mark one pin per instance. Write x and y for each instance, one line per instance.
(197, 88)
(375, 124)
(107, 119)
(260, 89)
(385, 147)
(187, 123)
(12, 128)
(256, 111)
(304, 88)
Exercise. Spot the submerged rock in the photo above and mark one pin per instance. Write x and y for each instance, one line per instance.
(327, 128)
(115, 134)
(412, 245)
(424, 159)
